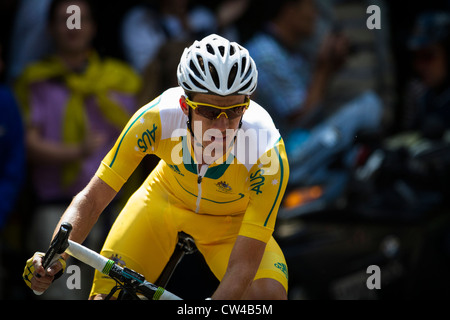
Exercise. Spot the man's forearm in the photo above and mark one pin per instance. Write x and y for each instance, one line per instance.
(242, 267)
(85, 209)
(234, 285)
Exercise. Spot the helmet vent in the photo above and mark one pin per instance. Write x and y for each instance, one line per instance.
(222, 50)
(195, 70)
(196, 83)
(214, 75)
(200, 62)
(247, 85)
(248, 74)
(244, 64)
(210, 49)
(187, 86)
(232, 50)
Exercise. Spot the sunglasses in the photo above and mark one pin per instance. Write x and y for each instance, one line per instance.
(212, 112)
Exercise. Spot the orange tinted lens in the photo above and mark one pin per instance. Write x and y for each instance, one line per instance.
(212, 113)
(208, 112)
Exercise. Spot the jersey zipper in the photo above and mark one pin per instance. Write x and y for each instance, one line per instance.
(201, 174)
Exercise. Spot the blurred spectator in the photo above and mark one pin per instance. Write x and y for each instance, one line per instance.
(8, 9)
(75, 104)
(427, 102)
(229, 14)
(289, 84)
(147, 26)
(12, 172)
(12, 149)
(29, 39)
(161, 73)
(293, 87)
(369, 64)
(427, 112)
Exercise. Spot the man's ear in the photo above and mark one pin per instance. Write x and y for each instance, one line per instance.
(184, 106)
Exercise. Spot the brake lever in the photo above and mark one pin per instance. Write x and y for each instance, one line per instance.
(58, 245)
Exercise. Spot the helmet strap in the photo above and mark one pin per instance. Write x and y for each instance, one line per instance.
(189, 127)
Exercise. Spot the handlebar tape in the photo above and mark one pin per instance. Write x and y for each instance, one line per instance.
(105, 266)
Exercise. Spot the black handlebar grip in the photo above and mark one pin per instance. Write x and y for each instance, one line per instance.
(59, 244)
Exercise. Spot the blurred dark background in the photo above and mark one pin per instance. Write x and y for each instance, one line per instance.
(387, 205)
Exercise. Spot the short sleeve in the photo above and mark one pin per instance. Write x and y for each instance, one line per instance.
(267, 183)
(140, 137)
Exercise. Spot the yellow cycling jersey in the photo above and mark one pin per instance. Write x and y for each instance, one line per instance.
(249, 180)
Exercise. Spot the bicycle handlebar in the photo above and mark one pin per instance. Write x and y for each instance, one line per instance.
(58, 245)
(132, 279)
(108, 267)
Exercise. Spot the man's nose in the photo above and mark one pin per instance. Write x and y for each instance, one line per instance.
(222, 113)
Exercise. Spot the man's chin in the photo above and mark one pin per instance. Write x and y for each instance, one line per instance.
(214, 149)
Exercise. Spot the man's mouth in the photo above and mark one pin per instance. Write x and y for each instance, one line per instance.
(218, 138)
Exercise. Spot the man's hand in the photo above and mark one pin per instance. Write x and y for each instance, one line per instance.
(333, 52)
(39, 279)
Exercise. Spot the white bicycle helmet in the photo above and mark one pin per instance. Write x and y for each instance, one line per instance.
(218, 66)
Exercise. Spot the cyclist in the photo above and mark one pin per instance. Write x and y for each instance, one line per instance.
(221, 178)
